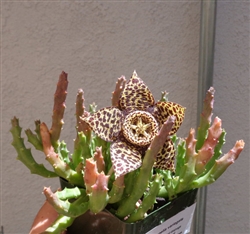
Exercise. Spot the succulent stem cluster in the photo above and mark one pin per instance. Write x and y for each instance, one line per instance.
(89, 169)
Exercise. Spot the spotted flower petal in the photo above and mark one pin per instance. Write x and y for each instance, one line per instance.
(165, 157)
(124, 157)
(162, 110)
(132, 123)
(106, 123)
(136, 95)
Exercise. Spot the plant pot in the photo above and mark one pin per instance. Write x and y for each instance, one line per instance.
(173, 217)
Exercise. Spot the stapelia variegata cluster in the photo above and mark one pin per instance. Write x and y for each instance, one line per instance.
(132, 124)
(117, 147)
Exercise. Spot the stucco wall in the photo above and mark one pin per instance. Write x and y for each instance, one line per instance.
(95, 43)
(228, 198)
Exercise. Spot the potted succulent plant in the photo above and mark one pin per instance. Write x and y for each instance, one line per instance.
(129, 172)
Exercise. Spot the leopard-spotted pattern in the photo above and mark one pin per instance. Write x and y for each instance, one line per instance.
(140, 128)
(127, 147)
(162, 110)
(165, 157)
(136, 95)
(106, 123)
(124, 158)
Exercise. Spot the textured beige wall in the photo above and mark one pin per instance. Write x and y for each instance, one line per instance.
(95, 43)
(228, 198)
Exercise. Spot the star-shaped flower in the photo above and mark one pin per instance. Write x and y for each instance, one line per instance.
(132, 125)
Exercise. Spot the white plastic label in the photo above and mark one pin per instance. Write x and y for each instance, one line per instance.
(178, 224)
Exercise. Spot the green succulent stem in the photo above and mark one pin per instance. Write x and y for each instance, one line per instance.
(219, 166)
(128, 204)
(98, 157)
(117, 190)
(187, 172)
(60, 225)
(169, 184)
(64, 154)
(74, 209)
(163, 192)
(98, 198)
(148, 200)
(206, 152)
(79, 107)
(98, 142)
(37, 129)
(70, 193)
(180, 157)
(129, 182)
(34, 140)
(61, 168)
(217, 152)
(81, 151)
(24, 154)
(205, 118)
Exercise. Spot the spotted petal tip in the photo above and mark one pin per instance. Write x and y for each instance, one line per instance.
(134, 74)
(136, 95)
(165, 157)
(165, 109)
(124, 158)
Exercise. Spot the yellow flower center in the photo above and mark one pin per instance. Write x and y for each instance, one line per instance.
(140, 128)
